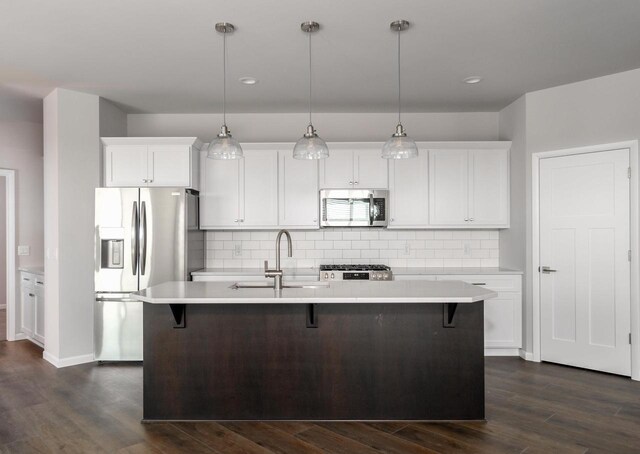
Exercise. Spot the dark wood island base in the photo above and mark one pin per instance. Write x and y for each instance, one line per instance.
(348, 361)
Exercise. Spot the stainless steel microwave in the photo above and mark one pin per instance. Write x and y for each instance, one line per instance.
(354, 207)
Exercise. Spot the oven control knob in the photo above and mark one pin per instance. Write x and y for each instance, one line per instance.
(333, 276)
(326, 276)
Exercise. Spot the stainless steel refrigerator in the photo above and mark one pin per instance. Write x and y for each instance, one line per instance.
(144, 237)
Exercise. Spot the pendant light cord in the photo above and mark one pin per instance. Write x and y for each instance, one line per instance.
(399, 80)
(224, 79)
(310, 80)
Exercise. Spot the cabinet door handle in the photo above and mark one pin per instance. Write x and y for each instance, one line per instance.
(25, 279)
(478, 283)
(471, 219)
(355, 182)
(31, 294)
(351, 182)
(466, 219)
(38, 282)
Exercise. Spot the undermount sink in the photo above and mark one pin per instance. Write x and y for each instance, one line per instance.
(260, 284)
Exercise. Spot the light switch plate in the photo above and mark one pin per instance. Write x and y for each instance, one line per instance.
(24, 250)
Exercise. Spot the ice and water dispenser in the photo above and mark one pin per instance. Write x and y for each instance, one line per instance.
(111, 248)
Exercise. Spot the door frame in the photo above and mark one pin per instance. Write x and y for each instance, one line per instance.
(634, 219)
(10, 183)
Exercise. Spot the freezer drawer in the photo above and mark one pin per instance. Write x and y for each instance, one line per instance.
(118, 329)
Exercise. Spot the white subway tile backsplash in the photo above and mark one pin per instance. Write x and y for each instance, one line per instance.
(366, 235)
(489, 244)
(424, 235)
(342, 244)
(388, 235)
(414, 248)
(370, 253)
(324, 244)
(379, 244)
(351, 254)
(333, 254)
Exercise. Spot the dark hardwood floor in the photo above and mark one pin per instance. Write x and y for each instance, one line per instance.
(531, 408)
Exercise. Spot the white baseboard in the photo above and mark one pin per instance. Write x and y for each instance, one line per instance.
(66, 362)
(500, 352)
(19, 337)
(528, 356)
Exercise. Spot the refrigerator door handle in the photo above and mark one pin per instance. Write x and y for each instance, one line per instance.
(143, 241)
(134, 238)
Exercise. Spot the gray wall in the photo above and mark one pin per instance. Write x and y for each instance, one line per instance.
(21, 150)
(73, 123)
(3, 247)
(513, 241)
(591, 112)
(331, 126)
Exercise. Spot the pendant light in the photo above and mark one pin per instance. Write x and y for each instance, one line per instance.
(399, 146)
(224, 146)
(310, 146)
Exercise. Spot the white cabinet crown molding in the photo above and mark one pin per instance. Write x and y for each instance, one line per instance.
(190, 141)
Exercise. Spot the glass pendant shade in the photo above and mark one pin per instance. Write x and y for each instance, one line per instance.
(399, 146)
(224, 146)
(310, 146)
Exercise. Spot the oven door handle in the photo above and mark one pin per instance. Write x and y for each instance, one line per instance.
(371, 208)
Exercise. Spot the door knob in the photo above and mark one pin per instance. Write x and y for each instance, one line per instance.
(546, 270)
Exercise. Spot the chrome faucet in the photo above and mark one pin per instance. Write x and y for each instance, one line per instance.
(277, 273)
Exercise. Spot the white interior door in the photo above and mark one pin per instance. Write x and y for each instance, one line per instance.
(584, 237)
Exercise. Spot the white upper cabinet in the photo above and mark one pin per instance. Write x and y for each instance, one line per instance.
(298, 192)
(469, 188)
(408, 191)
(448, 181)
(259, 207)
(240, 193)
(336, 171)
(151, 162)
(369, 169)
(489, 188)
(220, 192)
(345, 168)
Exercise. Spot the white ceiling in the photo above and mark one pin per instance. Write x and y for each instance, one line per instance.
(164, 56)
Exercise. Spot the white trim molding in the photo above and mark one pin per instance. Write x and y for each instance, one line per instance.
(501, 352)
(66, 362)
(634, 217)
(10, 179)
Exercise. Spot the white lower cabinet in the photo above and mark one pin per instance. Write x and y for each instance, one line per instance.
(503, 314)
(32, 306)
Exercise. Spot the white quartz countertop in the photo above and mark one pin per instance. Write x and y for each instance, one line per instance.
(179, 292)
(32, 269)
(295, 272)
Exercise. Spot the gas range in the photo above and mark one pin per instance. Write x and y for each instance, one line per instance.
(355, 273)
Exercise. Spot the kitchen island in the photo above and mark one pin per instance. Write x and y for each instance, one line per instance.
(399, 350)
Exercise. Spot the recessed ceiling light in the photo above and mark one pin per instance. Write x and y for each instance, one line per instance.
(248, 80)
(472, 80)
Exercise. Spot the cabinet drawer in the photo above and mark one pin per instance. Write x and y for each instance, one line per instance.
(495, 282)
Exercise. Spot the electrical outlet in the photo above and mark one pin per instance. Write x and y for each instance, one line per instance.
(467, 250)
(407, 248)
(24, 250)
(237, 250)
